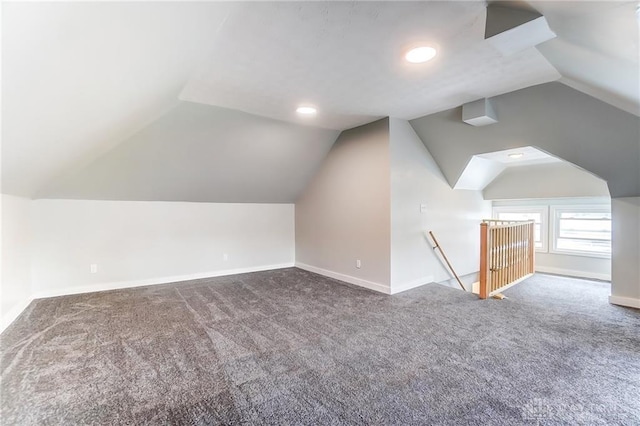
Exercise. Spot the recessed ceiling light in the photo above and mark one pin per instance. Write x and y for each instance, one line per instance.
(516, 155)
(306, 110)
(420, 54)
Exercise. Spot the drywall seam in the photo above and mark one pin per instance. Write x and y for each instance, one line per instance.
(346, 278)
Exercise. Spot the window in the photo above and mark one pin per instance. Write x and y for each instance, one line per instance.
(538, 214)
(582, 230)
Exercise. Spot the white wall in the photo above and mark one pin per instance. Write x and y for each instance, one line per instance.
(563, 264)
(16, 257)
(575, 266)
(344, 213)
(626, 251)
(545, 181)
(454, 216)
(136, 243)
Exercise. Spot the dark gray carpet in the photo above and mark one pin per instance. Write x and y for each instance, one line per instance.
(290, 347)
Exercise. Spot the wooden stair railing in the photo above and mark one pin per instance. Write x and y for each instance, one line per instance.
(507, 254)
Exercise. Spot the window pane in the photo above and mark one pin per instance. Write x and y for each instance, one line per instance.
(536, 217)
(584, 245)
(519, 216)
(588, 232)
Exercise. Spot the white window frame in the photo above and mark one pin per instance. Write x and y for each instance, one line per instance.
(544, 216)
(555, 225)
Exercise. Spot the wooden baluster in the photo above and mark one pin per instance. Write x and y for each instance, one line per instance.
(532, 248)
(496, 271)
(484, 269)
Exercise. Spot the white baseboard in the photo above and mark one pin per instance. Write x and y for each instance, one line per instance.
(573, 273)
(9, 317)
(625, 301)
(154, 281)
(395, 289)
(13, 313)
(346, 278)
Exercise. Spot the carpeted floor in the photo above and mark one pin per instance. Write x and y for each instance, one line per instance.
(290, 347)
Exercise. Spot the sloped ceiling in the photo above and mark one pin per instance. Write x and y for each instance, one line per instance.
(552, 180)
(80, 79)
(597, 50)
(204, 153)
(484, 168)
(555, 118)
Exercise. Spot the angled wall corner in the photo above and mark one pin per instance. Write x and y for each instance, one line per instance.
(343, 214)
(374, 199)
(422, 201)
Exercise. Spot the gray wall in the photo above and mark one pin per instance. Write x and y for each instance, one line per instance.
(553, 117)
(553, 180)
(566, 123)
(454, 216)
(344, 213)
(207, 154)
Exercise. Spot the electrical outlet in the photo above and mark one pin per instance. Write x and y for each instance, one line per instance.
(358, 263)
(423, 208)
(94, 268)
(225, 257)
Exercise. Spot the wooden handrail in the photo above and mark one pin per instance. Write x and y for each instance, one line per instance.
(444, 256)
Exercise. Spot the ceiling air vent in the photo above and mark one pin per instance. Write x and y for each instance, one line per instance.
(479, 113)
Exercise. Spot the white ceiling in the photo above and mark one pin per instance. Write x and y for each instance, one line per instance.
(482, 169)
(346, 58)
(79, 78)
(530, 156)
(597, 50)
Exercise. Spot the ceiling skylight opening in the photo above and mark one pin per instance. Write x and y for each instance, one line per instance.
(420, 55)
(306, 110)
(516, 155)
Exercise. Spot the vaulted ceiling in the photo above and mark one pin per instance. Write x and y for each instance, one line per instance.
(93, 88)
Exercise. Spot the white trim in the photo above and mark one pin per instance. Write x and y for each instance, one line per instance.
(625, 301)
(346, 278)
(573, 273)
(154, 281)
(554, 215)
(544, 220)
(13, 313)
(395, 289)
